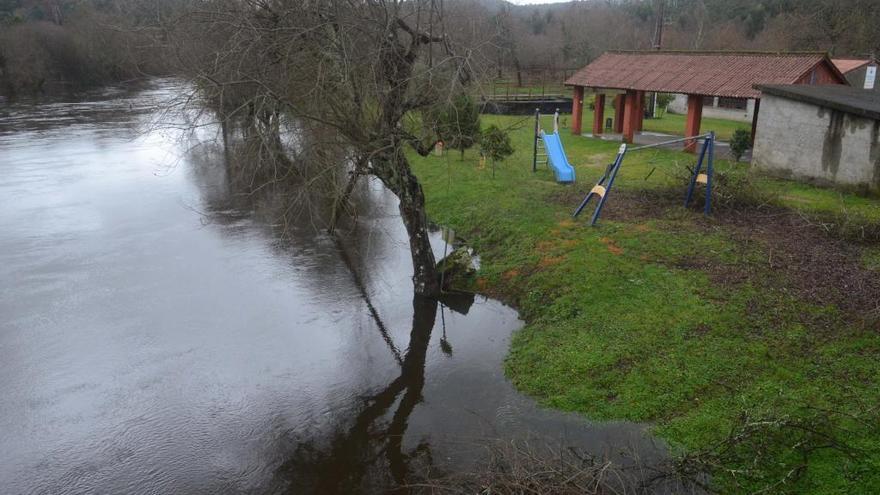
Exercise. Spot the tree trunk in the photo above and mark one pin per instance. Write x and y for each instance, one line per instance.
(518, 72)
(406, 187)
(425, 279)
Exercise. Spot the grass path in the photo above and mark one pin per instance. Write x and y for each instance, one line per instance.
(662, 315)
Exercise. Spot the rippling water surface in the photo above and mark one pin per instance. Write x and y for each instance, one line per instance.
(158, 337)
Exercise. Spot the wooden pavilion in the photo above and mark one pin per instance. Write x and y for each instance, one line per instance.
(628, 75)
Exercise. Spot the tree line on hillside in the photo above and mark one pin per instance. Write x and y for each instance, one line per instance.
(47, 44)
(570, 35)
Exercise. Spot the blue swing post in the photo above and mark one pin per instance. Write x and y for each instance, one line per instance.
(707, 154)
(601, 189)
(710, 175)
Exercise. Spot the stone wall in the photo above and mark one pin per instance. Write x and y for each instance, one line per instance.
(815, 143)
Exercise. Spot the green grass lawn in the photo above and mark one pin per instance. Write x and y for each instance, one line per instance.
(633, 319)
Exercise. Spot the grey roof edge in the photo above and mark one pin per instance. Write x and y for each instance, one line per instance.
(790, 91)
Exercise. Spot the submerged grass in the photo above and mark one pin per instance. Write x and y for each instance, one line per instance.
(662, 315)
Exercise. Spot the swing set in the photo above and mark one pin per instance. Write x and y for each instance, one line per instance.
(698, 176)
(554, 156)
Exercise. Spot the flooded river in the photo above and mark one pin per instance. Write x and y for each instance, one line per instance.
(157, 337)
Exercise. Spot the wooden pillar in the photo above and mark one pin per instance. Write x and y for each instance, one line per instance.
(577, 110)
(619, 110)
(640, 121)
(692, 124)
(630, 116)
(755, 119)
(599, 115)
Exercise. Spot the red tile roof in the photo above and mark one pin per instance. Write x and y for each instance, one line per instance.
(730, 74)
(845, 65)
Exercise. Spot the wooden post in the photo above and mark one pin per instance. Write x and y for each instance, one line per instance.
(599, 115)
(619, 110)
(692, 124)
(641, 112)
(755, 119)
(577, 110)
(630, 115)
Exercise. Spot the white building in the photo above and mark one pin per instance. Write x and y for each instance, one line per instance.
(741, 109)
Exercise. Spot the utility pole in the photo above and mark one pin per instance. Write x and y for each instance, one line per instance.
(657, 44)
(658, 26)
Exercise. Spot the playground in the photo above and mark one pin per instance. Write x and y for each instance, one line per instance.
(728, 333)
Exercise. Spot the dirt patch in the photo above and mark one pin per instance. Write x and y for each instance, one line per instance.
(801, 257)
(612, 247)
(622, 205)
(545, 246)
(550, 261)
(511, 274)
(698, 331)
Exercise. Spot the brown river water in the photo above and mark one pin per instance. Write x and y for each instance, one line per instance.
(157, 337)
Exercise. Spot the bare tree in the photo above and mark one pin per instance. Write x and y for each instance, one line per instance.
(367, 72)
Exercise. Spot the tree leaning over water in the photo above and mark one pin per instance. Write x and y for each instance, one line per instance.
(368, 73)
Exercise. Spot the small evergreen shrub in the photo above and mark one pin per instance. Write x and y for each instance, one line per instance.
(739, 143)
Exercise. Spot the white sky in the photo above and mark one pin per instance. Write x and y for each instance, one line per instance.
(532, 2)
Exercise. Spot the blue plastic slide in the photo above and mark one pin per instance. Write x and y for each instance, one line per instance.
(556, 157)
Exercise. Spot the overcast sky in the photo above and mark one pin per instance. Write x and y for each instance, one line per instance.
(524, 2)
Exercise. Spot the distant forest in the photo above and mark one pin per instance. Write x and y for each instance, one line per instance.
(46, 45)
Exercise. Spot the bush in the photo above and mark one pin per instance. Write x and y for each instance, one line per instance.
(663, 101)
(739, 143)
(458, 124)
(495, 145)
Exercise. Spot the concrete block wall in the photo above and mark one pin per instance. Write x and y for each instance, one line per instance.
(807, 141)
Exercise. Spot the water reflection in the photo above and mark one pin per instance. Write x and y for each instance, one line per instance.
(371, 449)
